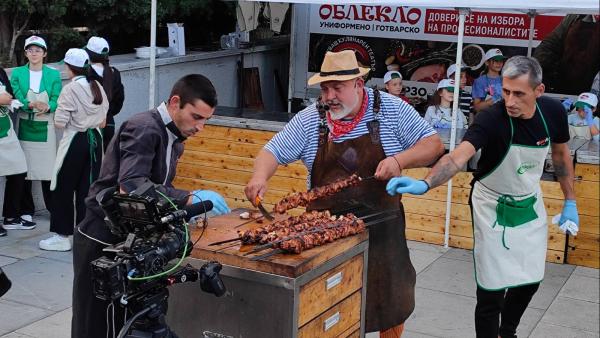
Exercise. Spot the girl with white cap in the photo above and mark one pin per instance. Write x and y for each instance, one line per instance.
(81, 111)
(37, 87)
(487, 89)
(109, 77)
(582, 123)
(439, 114)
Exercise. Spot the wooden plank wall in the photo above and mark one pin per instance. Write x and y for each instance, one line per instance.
(584, 249)
(221, 159)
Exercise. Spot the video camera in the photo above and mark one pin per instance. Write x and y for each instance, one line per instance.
(155, 233)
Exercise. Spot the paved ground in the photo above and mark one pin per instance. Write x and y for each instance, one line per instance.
(567, 304)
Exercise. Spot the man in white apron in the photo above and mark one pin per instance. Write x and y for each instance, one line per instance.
(509, 219)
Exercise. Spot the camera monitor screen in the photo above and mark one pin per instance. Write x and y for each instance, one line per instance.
(135, 210)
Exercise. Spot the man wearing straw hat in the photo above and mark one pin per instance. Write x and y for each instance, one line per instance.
(354, 129)
(510, 228)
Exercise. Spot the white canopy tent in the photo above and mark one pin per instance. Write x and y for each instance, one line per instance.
(532, 7)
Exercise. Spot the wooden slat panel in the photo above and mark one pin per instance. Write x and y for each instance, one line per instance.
(222, 147)
(222, 161)
(352, 332)
(589, 224)
(587, 189)
(235, 134)
(436, 208)
(589, 258)
(551, 190)
(588, 172)
(315, 298)
(237, 177)
(349, 314)
(584, 241)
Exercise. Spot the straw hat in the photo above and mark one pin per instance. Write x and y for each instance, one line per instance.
(338, 66)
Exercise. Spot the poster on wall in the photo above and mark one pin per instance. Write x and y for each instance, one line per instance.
(421, 43)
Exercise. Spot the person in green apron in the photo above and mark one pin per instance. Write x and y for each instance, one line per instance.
(81, 112)
(12, 160)
(37, 87)
(355, 129)
(509, 219)
(582, 123)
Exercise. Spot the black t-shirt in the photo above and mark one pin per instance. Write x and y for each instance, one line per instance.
(491, 131)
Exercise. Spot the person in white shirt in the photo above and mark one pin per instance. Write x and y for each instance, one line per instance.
(439, 114)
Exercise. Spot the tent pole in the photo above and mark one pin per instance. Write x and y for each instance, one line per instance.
(532, 13)
(152, 54)
(461, 30)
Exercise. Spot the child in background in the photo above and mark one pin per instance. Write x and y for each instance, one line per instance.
(439, 115)
(582, 123)
(393, 84)
(487, 89)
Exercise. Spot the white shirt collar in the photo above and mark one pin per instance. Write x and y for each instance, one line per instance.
(166, 118)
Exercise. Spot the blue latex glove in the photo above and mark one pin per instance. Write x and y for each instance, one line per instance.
(405, 184)
(569, 212)
(567, 104)
(219, 205)
(589, 116)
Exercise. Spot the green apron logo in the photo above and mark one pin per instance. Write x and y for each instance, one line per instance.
(525, 166)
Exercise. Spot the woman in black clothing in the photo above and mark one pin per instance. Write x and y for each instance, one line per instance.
(110, 79)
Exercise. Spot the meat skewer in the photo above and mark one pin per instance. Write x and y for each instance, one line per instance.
(304, 198)
(327, 232)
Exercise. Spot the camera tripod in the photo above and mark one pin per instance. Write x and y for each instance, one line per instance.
(149, 322)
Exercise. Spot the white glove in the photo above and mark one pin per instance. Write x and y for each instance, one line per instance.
(15, 104)
(567, 227)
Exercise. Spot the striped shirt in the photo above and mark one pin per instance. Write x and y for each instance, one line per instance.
(401, 127)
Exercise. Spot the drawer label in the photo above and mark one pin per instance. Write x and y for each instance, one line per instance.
(334, 280)
(331, 321)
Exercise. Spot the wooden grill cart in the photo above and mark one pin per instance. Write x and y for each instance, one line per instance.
(318, 293)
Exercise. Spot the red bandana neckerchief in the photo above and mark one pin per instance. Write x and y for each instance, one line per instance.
(339, 128)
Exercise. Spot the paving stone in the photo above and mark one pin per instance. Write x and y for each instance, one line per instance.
(555, 277)
(449, 275)
(41, 282)
(546, 330)
(588, 272)
(422, 259)
(16, 335)
(16, 315)
(573, 313)
(414, 245)
(5, 260)
(582, 288)
(55, 326)
(436, 314)
(529, 321)
(460, 254)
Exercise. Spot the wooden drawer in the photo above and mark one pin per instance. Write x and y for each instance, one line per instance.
(334, 321)
(321, 293)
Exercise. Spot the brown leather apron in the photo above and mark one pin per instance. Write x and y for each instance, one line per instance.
(391, 276)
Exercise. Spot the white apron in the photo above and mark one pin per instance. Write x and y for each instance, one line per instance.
(63, 148)
(509, 219)
(12, 159)
(582, 132)
(38, 140)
